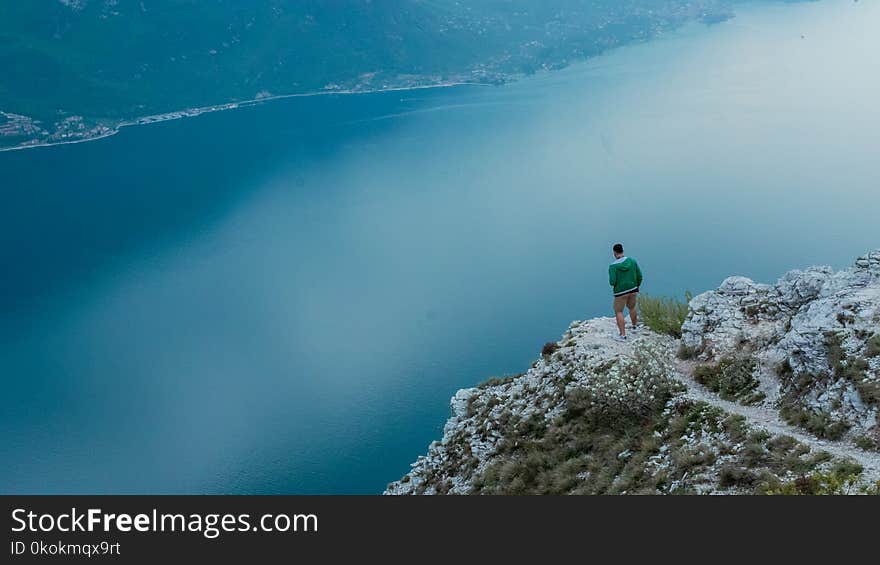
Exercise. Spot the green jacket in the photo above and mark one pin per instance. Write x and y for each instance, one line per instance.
(624, 276)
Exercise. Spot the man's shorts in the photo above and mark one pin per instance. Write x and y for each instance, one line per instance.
(625, 301)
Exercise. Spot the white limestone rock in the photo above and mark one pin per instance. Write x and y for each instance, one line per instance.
(795, 321)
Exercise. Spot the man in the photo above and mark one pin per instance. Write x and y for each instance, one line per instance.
(625, 278)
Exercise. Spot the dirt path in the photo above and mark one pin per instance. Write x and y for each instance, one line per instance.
(597, 333)
(769, 419)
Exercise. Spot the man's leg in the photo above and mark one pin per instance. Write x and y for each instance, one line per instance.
(621, 323)
(631, 304)
(619, 304)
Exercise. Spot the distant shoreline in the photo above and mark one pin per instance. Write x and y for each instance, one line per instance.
(198, 111)
(500, 78)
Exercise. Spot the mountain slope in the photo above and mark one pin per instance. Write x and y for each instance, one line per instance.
(103, 62)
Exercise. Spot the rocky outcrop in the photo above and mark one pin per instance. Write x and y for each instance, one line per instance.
(815, 336)
(485, 418)
(596, 416)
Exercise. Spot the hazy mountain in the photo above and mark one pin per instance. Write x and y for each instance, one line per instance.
(118, 59)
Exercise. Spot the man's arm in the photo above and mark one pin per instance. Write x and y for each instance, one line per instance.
(638, 275)
(612, 275)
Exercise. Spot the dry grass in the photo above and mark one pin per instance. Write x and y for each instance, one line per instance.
(664, 315)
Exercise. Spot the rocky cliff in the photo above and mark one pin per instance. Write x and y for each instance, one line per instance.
(771, 389)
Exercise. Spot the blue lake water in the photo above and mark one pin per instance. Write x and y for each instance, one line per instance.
(283, 298)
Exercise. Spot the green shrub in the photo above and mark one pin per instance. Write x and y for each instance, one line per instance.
(873, 349)
(782, 443)
(732, 379)
(664, 315)
(821, 424)
(867, 443)
(847, 467)
(869, 391)
(736, 427)
(549, 348)
(785, 371)
(687, 353)
(735, 476)
(754, 454)
(498, 381)
(828, 483)
(690, 458)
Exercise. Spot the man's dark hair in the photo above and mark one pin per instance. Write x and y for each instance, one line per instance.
(618, 248)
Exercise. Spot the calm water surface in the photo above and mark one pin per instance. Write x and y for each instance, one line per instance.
(282, 299)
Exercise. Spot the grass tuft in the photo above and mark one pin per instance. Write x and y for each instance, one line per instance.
(664, 315)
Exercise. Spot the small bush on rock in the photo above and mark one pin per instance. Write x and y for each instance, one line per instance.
(631, 389)
(735, 476)
(732, 379)
(686, 353)
(819, 483)
(820, 423)
(873, 349)
(867, 443)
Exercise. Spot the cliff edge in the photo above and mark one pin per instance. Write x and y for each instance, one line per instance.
(772, 389)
